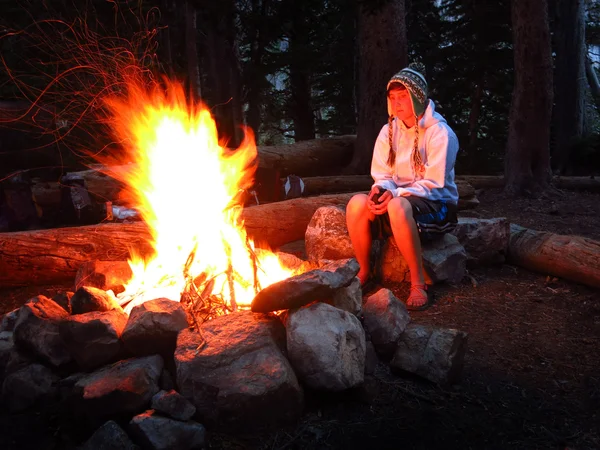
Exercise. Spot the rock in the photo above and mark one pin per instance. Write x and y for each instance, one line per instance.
(485, 240)
(9, 320)
(327, 235)
(434, 354)
(318, 284)
(294, 263)
(63, 299)
(105, 275)
(125, 387)
(93, 339)
(27, 386)
(87, 299)
(235, 372)
(385, 319)
(7, 345)
(444, 259)
(349, 298)
(161, 433)
(173, 404)
(326, 347)
(153, 327)
(37, 330)
(109, 436)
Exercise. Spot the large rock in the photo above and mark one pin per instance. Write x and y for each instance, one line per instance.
(297, 291)
(444, 259)
(436, 354)
(27, 386)
(235, 373)
(326, 347)
(385, 319)
(7, 345)
(37, 330)
(155, 432)
(8, 321)
(153, 327)
(485, 240)
(93, 339)
(327, 236)
(125, 387)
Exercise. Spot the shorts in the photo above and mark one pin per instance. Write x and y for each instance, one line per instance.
(433, 218)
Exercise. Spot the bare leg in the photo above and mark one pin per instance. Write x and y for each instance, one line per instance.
(407, 239)
(358, 217)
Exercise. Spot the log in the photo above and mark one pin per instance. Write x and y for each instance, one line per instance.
(353, 183)
(570, 257)
(55, 255)
(568, 183)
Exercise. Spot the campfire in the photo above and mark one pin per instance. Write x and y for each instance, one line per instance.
(186, 184)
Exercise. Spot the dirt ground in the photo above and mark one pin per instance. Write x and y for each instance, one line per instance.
(531, 378)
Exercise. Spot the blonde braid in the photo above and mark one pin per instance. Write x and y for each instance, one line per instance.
(392, 154)
(416, 158)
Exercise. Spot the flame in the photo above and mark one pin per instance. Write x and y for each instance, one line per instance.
(185, 183)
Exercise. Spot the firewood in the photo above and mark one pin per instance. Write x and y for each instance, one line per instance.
(571, 257)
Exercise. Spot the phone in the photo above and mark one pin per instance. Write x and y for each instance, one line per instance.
(377, 197)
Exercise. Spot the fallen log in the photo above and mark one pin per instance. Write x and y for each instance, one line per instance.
(570, 257)
(568, 183)
(55, 255)
(353, 183)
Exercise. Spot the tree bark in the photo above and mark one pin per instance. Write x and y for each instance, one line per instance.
(527, 161)
(571, 257)
(569, 84)
(382, 53)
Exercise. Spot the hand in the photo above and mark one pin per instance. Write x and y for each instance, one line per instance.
(378, 200)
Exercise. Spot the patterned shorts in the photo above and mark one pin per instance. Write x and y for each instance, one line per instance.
(433, 218)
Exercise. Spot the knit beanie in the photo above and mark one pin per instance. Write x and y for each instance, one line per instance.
(413, 79)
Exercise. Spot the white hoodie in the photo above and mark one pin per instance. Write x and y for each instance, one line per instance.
(438, 146)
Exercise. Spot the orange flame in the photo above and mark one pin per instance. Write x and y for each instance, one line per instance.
(184, 184)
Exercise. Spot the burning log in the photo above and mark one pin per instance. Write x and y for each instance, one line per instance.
(571, 257)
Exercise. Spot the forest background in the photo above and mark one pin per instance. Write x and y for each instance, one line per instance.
(298, 70)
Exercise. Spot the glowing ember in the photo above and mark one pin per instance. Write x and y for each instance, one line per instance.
(184, 183)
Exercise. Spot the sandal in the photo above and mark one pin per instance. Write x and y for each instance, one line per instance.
(418, 291)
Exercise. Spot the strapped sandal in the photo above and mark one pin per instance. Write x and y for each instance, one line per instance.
(416, 292)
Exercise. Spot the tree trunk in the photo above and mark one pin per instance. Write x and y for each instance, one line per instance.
(382, 53)
(191, 48)
(571, 257)
(300, 80)
(569, 84)
(255, 78)
(527, 161)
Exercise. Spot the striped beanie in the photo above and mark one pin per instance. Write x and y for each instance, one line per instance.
(413, 79)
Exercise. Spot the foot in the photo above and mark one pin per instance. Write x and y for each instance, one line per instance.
(418, 299)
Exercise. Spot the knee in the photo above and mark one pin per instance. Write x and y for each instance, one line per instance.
(357, 206)
(400, 211)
